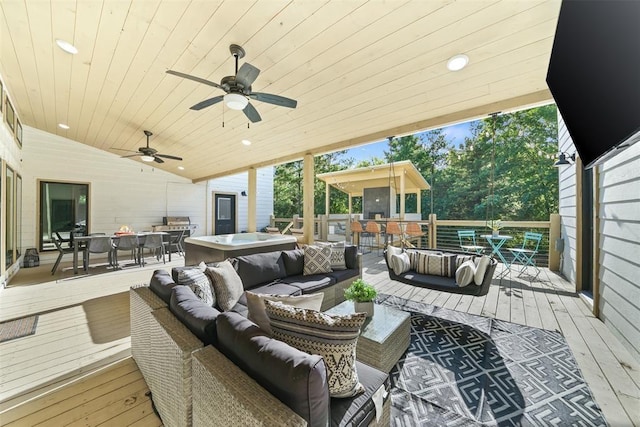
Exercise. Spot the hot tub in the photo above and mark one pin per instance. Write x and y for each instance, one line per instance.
(221, 247)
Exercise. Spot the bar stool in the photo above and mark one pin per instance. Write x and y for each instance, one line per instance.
(356, 231)
(373, 230)
(393, 229)
(413, 230)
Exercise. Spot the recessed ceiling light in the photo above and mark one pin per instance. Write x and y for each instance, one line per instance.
(181, 168)
(63, 126)
(66, 46)
(246, 142)
(458, 62)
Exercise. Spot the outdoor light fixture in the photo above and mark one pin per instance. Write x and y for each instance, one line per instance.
(243, 193)
(66, 46)
(235, 101)
(563, 159)
(458, 62)
(147, 158)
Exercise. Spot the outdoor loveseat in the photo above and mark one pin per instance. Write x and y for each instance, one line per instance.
(445, 280)
(205, 367)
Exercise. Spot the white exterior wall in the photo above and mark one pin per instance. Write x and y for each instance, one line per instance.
(619, 238)
(236, 184)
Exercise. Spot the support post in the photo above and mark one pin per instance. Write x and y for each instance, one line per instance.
(554, 234)
(253, 197)
(419, 202)
(402, 197)
(433, 231)
(308, 189)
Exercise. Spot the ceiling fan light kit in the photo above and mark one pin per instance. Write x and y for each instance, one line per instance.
(235, 101)
(237, 89)
(147, 158)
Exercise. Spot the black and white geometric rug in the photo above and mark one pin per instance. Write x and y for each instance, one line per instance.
(467, 370)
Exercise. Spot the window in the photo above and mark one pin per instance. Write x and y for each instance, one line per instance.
(64, 207)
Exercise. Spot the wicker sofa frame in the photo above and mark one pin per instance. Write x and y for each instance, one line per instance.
(174, 362)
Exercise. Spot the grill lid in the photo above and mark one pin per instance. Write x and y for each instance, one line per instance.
(176, 220)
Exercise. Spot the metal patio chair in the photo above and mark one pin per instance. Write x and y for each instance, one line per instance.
(467, 239)
(525, 255)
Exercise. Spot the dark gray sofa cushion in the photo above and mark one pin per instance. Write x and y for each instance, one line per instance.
(161, 284)
(296, 378)
(342, 275)
(195, 314)
(359, 410)
(351, 256)
(259, 268)
(310, 284)
(293, 261)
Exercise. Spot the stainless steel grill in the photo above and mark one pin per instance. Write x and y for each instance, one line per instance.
(175, 223)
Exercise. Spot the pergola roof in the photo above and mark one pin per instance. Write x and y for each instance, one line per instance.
(354, 181)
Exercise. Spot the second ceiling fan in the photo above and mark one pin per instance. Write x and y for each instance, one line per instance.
(238, 89)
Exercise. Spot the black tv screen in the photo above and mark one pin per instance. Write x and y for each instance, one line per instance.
(594, 75)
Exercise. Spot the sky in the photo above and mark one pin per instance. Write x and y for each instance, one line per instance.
(454, 134)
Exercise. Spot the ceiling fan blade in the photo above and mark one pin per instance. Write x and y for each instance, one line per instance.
(157, 159)
(167, 156)
(195, 79)
(252, 113)
(122, 149)
(247, 74)
(274, 99)
(207, 102)
(131, 155)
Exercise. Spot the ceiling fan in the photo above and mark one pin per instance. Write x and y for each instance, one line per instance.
(148, 154)
(238, 89)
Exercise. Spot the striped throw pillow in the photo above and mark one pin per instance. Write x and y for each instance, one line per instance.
(334, 337)
(436, 265)
(199, 283)
(226, 284)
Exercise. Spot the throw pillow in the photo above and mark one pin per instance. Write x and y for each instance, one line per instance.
(400, 263)
(334, 337)
(199, 283)
(391, 251)
(258, 315)
(436, 265)
(465, 273)
(460, 259)
(317, 260)
(481, 269)
(337, 255)
(226, 284)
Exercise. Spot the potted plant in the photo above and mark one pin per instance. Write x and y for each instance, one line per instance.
(495, 225)
(362, 294)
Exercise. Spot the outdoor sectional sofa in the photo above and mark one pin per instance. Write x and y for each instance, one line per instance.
(441, 283)
(205, 367)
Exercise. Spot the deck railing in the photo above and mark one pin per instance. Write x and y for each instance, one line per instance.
(442, 234)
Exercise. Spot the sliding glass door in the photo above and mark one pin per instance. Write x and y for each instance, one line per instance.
(64, 207)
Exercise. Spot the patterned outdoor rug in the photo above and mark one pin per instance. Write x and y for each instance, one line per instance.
(18, 328)
(467, 370)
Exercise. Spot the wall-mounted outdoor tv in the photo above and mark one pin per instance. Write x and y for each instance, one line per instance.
(594, 75)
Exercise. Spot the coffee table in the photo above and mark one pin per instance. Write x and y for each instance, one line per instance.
(384, 337)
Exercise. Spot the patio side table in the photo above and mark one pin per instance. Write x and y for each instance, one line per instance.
(496, 243)
(384, 337)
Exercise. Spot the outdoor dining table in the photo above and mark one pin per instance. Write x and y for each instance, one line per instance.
(78, 240)
(496, 243)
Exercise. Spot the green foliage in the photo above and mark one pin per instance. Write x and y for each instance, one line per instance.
(360, 291)
(509, 176)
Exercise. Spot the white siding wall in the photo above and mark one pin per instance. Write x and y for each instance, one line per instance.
(237, 184)
(619, 241)
(122, 191)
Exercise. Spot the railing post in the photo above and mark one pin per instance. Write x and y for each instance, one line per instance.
(272, 220)
(324, 227)
(296, 221)
(433, 231)
(554, 234)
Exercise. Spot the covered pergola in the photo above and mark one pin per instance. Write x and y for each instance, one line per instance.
(400, 177)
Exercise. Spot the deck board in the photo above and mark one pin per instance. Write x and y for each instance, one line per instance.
(98, 383)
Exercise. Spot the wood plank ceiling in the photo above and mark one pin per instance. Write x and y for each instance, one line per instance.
(360, 71)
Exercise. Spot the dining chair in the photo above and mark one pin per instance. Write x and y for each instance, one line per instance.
(127, 242)
(63, 247)
(467, 240)
(98, 244)
(175, 242)
(525, 255)
(155, 243)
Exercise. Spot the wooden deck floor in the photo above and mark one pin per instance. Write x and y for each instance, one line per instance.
(77, 369)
